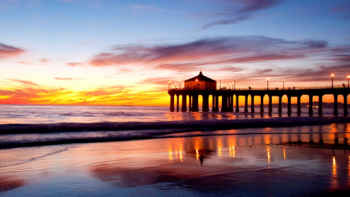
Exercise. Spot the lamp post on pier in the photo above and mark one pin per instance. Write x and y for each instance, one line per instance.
(267, 83)
(332, 79)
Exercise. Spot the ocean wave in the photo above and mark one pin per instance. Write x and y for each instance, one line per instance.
(17, 135)
(188, 124)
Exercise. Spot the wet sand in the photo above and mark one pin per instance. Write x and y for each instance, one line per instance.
(291, 163)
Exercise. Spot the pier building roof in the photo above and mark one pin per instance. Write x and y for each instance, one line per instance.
(200, 77)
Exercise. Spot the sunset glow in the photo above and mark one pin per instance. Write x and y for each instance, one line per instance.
(127, 53)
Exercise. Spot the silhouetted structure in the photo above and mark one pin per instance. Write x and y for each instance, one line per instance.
(200, 82)
(206, 88)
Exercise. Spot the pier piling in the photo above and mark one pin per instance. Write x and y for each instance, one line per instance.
(335, 105)
(320, 108)
(345, 104)
(310, 105)
(246, 103)
(228, 96)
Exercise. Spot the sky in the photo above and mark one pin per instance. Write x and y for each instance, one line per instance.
(110, 52)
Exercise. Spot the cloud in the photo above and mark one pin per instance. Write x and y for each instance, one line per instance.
(124, 70)
(226, 22)
(340, 54)
(44, 60)
(73, 64)
(157, 81)
(219, 51)
(106, 95)
(342, 11)
(24, 82)
(238, 10)
(28, 94)
(66, 79)
(26, 63)
(296, 76)
(9, 51)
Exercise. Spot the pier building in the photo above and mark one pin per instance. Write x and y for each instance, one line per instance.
(204, 86)
(200, 82)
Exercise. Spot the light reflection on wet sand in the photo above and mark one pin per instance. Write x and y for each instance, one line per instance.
(10, 182)
(294, 162)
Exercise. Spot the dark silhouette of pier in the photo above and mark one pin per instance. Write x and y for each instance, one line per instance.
(228, 95)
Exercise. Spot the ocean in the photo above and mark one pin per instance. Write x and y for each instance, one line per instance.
(30, 125)
(40, 114)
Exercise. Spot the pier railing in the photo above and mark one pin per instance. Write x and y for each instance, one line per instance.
(274, 88)
(227, 98)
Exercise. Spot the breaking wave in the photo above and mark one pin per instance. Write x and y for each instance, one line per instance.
(16, 135)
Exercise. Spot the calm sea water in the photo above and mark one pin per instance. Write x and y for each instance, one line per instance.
(37, 114)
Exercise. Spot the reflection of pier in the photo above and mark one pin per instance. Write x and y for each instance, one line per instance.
(226, 145)
(228, 96)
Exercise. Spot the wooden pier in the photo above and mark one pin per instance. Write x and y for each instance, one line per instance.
(228, 95)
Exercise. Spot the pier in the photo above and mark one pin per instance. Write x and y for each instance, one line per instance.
(230, 97)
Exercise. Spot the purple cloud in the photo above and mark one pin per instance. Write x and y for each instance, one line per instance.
(221, 51)
(239, 10)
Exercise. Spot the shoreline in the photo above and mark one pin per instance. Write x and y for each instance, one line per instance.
(71, 133)
(191, 125)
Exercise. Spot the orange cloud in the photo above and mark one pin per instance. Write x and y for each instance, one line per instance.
(24, 82)
(73, 64)
(9, 51)
(31, 93)
(66, 78)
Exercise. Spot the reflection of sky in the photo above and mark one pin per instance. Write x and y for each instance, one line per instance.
(225, 164)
